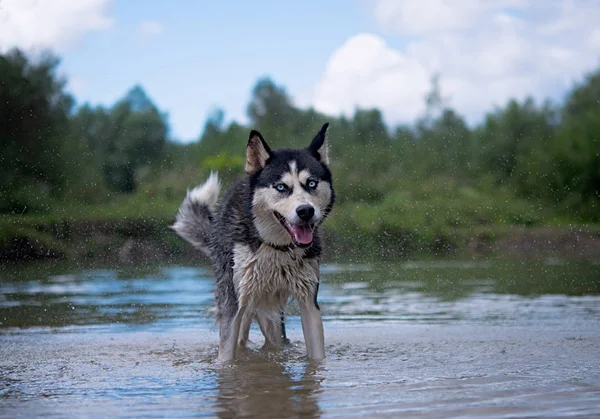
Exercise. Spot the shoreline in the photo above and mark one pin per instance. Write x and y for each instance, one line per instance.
(143, 240)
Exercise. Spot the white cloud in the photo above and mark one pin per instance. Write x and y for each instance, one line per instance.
(149, 28)
(366, 72)
(56, 24)
(433, 16)
(486, 52)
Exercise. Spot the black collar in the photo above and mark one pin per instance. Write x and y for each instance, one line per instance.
(287, 248)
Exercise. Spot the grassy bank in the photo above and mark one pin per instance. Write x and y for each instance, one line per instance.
(123, 236)
(439, 217)
(104, 182)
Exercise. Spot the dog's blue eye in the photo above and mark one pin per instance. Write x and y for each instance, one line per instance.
(281, 187)
(312, 184)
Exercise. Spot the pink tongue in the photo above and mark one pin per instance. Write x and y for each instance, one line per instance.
(302, 233)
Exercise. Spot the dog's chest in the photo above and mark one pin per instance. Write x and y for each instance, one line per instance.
(270, 275)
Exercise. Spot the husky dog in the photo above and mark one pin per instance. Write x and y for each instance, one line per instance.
(264, 243)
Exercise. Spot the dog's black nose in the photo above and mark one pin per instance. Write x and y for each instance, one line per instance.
(305, 212)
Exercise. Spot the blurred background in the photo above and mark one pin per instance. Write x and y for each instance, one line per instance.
(457, 128)
(461, 265)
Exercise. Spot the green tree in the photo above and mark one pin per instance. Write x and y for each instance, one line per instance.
(130, 135)
(138, 139)
(573, 174)
(442, 140)
(444, 144)
(34, 118)
(271, 111)
(584, 98)
(512, 134)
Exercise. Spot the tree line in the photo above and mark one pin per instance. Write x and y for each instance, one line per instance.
(55, 151)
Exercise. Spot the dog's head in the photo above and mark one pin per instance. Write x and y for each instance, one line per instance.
(292, 189)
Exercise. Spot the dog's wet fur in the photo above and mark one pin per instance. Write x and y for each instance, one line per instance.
(264, 242)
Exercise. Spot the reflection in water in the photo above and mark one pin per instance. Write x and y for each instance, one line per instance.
(451, 291)
(260, 386)
(426, 339)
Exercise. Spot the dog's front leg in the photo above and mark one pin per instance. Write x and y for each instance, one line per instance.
(245, 328)
(272, 327)
(229, 335)
(312, 327)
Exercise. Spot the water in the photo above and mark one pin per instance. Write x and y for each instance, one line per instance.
(416, 339)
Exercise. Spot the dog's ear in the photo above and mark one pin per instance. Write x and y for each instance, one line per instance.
(319, 146)
(257, 153)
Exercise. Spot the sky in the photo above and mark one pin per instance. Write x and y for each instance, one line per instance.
(193, 56)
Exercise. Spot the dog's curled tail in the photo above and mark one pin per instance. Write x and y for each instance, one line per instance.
(195, 215)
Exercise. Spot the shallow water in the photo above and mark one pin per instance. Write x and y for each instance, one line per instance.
(415, 339)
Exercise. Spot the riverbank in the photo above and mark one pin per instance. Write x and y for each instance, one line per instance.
(134, 240)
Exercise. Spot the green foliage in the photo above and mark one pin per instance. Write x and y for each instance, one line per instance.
(526, 164)
(223, 162)
(130, 135)
(514, 133)
(34, 121)
(584, 98)
(270, 106)
(443, 146)
(438, 204)
(574, 178)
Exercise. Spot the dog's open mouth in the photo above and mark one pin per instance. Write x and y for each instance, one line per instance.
(302, 234)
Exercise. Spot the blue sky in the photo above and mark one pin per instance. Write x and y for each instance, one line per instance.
(210, 53)
(192, 56)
